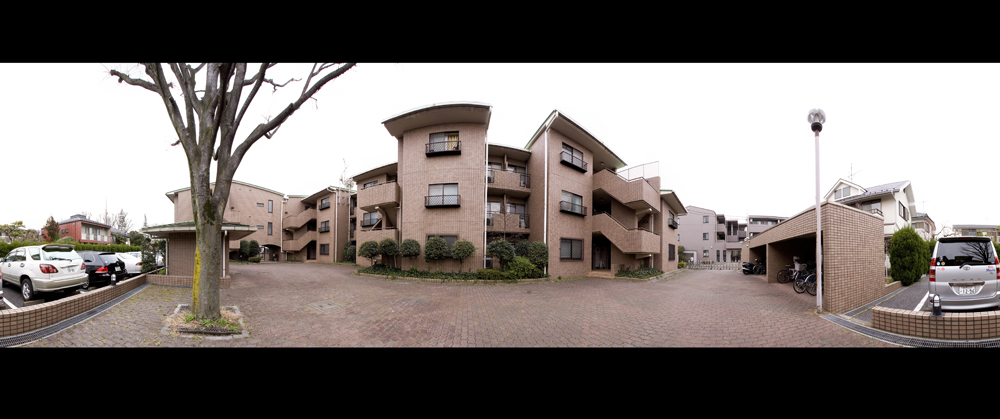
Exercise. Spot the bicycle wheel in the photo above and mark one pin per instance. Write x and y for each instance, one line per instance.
(799, 285)
(811, 285)
(784, 277)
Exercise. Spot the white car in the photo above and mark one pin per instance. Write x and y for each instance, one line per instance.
(138, 255)
(133, 265)
(45, 268)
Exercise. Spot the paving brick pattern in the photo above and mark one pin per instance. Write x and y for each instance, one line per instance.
(316, 305)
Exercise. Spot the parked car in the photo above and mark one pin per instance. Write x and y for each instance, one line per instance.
(44, 268)
(133, 265)
(965, 273)
(102, 267)
(159, 257)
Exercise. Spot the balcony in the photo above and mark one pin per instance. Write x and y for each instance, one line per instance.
(628, 240)
(368, 222)
(443, 148)
(574, 162)
(571, 208)
(293, 222)
(516, 184)
(300, 243)
(443, 201)
(636, 194)
(673, 224)
(500, 222)
(384, 195)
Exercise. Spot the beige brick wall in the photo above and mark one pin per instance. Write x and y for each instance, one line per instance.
(568, 226)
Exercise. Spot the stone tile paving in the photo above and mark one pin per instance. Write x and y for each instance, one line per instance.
(315, 305)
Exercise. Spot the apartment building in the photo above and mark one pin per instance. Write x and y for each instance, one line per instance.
(708, 236)
(315, 228)
(564, 188)
(84, 230)
(757, 224)
(988, 230)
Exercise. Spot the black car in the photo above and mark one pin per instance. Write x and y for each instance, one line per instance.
(101, 267)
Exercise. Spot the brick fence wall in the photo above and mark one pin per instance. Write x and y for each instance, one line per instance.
(950, 326)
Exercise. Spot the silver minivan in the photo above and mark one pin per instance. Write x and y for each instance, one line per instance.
(964, 273)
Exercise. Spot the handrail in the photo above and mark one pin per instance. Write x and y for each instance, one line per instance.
(623, 225)
(571, 159)
(573, 208)
(443, 146)
(442, 200)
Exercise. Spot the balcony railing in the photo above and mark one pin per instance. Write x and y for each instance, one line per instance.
(444, 148)
(496, 219)
(369, 222)
(672, 224)
(524, 180)
(572, 208)
(574, 162)
(874, 211)
(324, 229)
(443, 201)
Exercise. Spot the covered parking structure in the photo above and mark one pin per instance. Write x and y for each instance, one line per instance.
(853, 253)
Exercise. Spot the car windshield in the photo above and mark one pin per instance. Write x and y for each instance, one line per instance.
(68, 255)
(125, 255)
(109, 258)
(962, 252)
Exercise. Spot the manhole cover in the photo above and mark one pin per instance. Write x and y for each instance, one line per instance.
(325, 305)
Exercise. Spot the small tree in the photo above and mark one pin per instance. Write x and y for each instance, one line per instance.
(502, 250)
(254, 249)
(244, 249)
(350, 252)
(538, 254)
(522, 248)
(462, 250)
(680, 253)
(369, 249)
(436, 248)
(410, 248)
(388, 248)
(907, 256)
(51, 229)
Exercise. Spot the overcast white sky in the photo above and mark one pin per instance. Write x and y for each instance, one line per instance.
(729, 137)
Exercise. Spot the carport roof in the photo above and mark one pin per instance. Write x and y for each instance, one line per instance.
(236, 231)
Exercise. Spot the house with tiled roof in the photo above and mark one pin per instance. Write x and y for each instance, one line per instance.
(894, 202)
(924, 225)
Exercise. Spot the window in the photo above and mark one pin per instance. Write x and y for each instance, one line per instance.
(270, 227)
(444, 143)
(717, 257)
(572, 203)
(571, 249)
(670, 254)
(516, 169)
(260, 204)
(704, 254)
(260, 227)
(704, 219)
(573, 158)
(448, 240)
(324, 249)
(370, 184)
(369, 219)
(325, 226)
(704, 236)
(324, 203)
(842, 193)
(270, 206)
(442, 194)
(902, 211)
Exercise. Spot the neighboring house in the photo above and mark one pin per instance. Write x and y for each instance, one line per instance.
(706, 235)
(987, 230)
(894, 202)
(83, 230)
(924, 225)
(757, 224)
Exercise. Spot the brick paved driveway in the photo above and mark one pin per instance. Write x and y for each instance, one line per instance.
(324, 305)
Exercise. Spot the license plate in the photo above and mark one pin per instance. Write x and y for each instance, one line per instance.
(966, 290)
(71, 270)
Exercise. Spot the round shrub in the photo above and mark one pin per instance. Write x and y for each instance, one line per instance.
(462, 249)
(907, 256)
(502, 250)
(538, 254)
(369, 249)
(521, 268)
(350, 252)
(410, 248)
(522, 248)
(436, 248)
(388, 248)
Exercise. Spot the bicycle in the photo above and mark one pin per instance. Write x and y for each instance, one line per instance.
(786, 275)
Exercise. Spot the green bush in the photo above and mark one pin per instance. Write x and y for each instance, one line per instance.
(681, 264)
(462, 250)
(641, 273)
(255, 259)
(435, 249)
(410, 248)
(369, 249)
(501, 250)
(493, 275)
(254, 248)
(908, 256)
(521, 268)
(65, 239)
(244, 249)
(538, 254)
(350, 253)
(388, 248)
(521, 248)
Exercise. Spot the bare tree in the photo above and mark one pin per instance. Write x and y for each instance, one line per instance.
(206, 129)
(122, 222)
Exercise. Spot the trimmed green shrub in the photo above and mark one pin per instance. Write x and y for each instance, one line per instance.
(493, 275)
(681, 264)
(521, 248)
(436, 248)
(521, 268)
(350, 253)
(254, 248)
(244, 249)
(369, 249)
(908, 256)
(538, 254)
(462, 249)
(641, 273)
(410, 248)
(65, 239)
(389, 248)
(255, 259)
(501, 250)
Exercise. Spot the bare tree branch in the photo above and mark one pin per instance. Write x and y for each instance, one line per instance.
(253, 92)
(135, 82)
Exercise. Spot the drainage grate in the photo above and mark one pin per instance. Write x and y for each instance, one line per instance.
(51, 330)
(909, 341)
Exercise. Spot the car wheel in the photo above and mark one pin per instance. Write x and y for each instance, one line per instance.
(86, 284)
(27, 290)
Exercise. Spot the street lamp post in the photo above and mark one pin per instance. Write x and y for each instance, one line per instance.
(816, 120)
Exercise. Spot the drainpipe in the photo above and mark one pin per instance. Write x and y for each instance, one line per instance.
(486, 185)
(336, 230)
(545, 193)
(281, 227)
(225, 235)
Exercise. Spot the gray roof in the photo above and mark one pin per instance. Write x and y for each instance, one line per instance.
(976, 226)
(875, 190)
(78, 217)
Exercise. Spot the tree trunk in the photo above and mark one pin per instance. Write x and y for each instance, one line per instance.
(208, 217)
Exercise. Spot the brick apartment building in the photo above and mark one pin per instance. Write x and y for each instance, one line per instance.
(84, 230)
(565, 188)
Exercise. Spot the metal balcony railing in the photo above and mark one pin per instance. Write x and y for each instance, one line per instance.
(324, 229)
(498, 222)
(444, 148)
(443, 201)
(369, 222)
(574, 162)
(672, 224)
(572, 208)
